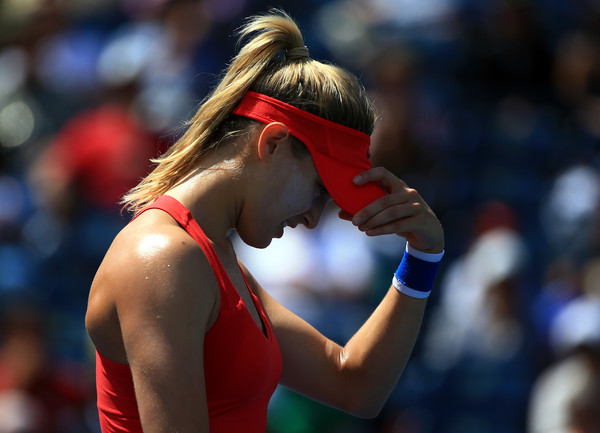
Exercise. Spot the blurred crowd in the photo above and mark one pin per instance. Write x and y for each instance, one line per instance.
(491, 109)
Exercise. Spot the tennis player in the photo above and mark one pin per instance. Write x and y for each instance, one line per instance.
(186, 339)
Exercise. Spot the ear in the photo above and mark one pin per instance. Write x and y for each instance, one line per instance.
(271, 138)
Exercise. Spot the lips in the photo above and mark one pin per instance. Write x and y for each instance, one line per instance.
(284, 224)
(290, 224)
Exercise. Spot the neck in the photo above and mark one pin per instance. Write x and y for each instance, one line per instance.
(213, 194)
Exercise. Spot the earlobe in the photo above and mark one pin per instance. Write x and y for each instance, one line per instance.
(270, 139)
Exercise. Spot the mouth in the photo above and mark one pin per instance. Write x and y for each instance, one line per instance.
(290, 224)
(284, 224)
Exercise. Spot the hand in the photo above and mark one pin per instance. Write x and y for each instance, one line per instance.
(402, 211)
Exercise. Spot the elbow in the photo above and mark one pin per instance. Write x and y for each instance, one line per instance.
(367, 414)
(364, 409)
(362, 402)
(359, 397)
(370, 411)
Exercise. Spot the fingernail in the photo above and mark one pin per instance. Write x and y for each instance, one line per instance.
(357, 178)
(357, 221)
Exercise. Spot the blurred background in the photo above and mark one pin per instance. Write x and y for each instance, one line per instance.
(491, 109)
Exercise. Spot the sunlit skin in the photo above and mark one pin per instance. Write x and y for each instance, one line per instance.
(155, 285)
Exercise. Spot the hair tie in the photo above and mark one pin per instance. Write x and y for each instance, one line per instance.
(297, 53)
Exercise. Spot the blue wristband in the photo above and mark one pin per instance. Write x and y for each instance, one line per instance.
(416, 273)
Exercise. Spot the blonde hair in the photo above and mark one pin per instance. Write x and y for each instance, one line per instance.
(322, 89)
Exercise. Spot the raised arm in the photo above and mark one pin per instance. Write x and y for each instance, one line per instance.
(359, 377)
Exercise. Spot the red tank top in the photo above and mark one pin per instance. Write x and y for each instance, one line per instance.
(242, 365)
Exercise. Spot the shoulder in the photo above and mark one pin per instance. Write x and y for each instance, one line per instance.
(153, 246)
(153, 265)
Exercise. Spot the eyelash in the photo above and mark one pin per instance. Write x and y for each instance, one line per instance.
(322, 190)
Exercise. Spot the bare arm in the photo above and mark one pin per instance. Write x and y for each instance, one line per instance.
(163, 322)
(359, 377)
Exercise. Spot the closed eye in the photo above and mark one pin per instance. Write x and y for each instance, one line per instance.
(323, 193)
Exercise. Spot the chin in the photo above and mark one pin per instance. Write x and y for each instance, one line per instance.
(256, 241)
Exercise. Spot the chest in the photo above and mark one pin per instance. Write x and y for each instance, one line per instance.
(243, 291)
(242, 362)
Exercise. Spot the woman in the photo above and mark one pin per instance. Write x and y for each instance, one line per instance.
(186, 339)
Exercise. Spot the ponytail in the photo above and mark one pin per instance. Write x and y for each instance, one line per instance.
(324, 90)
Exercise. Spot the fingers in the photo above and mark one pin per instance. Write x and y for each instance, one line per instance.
(382, 176)
(345, 215)
(402, 211)
(394, 215)
(391, 205)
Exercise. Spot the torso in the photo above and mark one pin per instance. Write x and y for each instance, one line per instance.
(242, 361)
(102, 319)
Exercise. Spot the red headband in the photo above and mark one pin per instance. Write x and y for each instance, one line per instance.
(339, 152)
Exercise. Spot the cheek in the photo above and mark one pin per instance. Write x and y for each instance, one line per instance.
(297, 193)
(289, 196)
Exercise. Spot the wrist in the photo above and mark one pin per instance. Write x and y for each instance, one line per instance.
(416, 273)
(422, 255)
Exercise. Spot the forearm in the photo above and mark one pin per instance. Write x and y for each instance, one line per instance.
(374, 358)
(359, 377)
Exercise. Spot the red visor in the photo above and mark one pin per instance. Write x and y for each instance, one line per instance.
(339, 152)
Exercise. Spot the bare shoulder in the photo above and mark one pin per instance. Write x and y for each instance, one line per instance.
(153, 271)
(152, 254)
